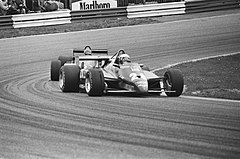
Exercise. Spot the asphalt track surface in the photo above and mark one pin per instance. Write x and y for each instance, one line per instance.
(37, 120)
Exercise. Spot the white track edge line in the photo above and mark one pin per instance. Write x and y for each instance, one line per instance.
(195, 60)
(211, 99)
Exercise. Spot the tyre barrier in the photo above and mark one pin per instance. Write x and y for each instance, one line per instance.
(152, 10)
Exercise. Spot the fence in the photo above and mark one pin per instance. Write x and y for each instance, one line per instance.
(67, 16)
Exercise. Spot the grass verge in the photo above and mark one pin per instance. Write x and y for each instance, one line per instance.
(215, 77)
(77, 26)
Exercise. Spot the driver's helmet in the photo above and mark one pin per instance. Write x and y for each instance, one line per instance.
(121, 51)
(124, 58)
(87, 50)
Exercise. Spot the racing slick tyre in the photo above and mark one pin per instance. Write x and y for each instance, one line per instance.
(173, 82)
(54, 71)
(69, 78)
(64, 59)
(94, 83)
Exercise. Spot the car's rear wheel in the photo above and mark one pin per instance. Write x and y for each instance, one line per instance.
(54, 71)
(65, 59)
(94, 82)
(69, 78)
(173, 82)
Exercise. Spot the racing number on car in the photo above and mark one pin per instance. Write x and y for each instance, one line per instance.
(134, 76)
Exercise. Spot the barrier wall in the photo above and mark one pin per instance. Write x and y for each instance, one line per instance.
(67, 16)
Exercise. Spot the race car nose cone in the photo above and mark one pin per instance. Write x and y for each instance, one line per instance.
(142, 86)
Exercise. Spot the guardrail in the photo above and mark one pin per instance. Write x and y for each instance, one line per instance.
(154, 10)
(6, 22)
(41, 19)
(137, 2)
(196, 6)
(67, 16)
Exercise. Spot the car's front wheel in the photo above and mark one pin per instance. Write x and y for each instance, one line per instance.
(94, 82)
(173, 82)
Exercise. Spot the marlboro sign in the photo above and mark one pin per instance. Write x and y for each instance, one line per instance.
(93, 4)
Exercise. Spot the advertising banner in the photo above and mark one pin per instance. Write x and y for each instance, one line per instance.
(93, 4)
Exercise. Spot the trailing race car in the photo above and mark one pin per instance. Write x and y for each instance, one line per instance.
(112, 73)
(70, 60)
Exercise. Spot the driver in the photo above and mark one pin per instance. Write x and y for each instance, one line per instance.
(89, 63)
(87, 50)
(124, 58)
(120, 52)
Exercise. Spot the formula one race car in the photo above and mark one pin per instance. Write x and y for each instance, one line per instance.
(112, 73)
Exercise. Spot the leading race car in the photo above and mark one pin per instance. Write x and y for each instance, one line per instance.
(112, 73)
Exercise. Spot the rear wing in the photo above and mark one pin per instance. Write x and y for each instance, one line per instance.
(98, 51)
(100, 61)
(98, 58)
